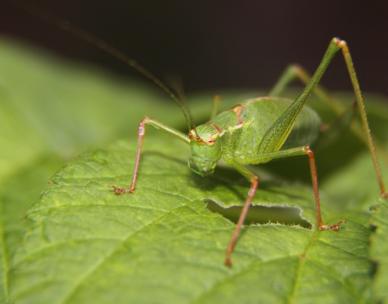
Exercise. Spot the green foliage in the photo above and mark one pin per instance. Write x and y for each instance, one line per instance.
(162, 238)
(79, 242)
(46, 116)
(379, 250)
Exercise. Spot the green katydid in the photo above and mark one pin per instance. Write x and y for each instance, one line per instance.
(260, 130)
(251, 133)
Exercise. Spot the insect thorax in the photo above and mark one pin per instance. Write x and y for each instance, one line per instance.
(236, 135)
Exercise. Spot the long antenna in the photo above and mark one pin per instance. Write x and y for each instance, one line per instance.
(107, 48)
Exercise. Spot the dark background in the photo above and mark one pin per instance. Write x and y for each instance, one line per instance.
(217, 44)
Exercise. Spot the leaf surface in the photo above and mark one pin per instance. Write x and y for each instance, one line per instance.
(379, 250)
(163, 245)
(50, 110)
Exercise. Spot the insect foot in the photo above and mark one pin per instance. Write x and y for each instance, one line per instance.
(334, 227)
(384, 195)
(120, 190)
(228, 262)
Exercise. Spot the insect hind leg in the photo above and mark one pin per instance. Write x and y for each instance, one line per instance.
(363, 116)
(298, 72)
(280, 129)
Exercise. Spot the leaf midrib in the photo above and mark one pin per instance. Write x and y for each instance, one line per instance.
(301, 262)
(296, 282)
(87, 274)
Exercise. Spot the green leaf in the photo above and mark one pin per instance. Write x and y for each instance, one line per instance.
(17, 194)
(52, 109)
(48, 109)
(68, 106)
(163, 245)
(379, 249)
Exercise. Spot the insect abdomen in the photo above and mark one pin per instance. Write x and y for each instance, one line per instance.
(305, 130)
(257, 116)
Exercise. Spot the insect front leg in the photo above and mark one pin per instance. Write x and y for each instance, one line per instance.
(140, 139)
(254, 180)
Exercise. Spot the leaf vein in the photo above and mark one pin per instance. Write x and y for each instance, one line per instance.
(102, 261)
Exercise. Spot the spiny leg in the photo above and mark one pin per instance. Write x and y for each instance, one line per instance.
(295, 71)
(140, 139)
(281, 128)
(305, 151)
(362, 132)
(361, 108)
(314, 180)
(254, 180)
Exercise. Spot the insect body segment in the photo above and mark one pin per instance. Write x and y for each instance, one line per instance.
(245, 143)
(236, 135)
(207, 149)
(260, 130)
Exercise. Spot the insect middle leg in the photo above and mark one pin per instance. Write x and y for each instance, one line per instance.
(140, 139)
(254, 180)
(300, 151)
(305, 150)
